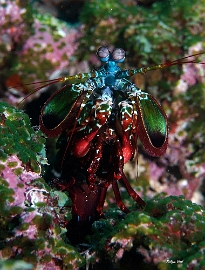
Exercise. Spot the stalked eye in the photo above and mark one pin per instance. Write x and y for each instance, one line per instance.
(118, 55)
(103, 54)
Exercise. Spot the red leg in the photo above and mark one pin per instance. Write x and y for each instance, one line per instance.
(120, 160)
(95, 162)
(118, 198)
(101, 202)
(131, 191)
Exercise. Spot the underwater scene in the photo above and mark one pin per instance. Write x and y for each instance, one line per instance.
(102, 145)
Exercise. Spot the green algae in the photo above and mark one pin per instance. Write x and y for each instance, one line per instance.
(19, 138)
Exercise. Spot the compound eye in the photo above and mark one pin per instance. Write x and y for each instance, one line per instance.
(118, 55)
(103, 54)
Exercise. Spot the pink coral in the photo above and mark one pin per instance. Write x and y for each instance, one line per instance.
(12, 26)
(11, 21)
(17, 178)
(192, 73)
(59, 45)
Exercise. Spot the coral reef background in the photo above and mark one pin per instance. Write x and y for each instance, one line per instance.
(42, 40)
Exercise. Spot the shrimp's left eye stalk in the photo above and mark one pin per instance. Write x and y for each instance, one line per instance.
(103, 54)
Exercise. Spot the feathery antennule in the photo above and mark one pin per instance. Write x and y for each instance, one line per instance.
(48, 82)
